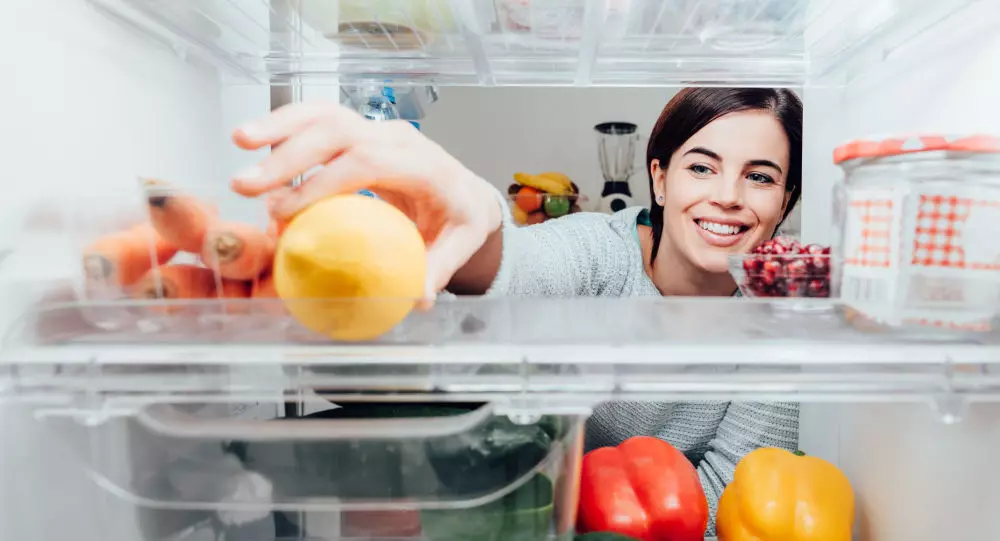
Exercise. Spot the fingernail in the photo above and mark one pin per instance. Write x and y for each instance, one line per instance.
(250, 173)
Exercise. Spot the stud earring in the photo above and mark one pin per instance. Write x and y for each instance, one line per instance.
(659, 199)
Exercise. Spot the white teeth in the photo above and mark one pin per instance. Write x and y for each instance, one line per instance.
(719, 229)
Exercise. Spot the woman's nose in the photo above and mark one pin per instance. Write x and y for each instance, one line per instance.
(728, 192)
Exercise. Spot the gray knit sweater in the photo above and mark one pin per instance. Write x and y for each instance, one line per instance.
(598, 255)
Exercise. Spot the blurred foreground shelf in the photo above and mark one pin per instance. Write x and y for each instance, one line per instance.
(519, 352)
(538, 42)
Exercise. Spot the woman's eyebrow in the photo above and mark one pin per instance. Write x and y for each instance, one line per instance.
(704, 151)
(764, 163)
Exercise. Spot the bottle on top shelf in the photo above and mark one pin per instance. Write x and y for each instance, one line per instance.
(380, 104)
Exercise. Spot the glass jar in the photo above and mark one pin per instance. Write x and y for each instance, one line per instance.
(918, 234)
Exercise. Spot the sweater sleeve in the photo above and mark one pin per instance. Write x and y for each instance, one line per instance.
(744, 427)
(572, 256)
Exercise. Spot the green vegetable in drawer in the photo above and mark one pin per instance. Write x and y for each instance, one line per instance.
(492, 455)
(469, 464)
(523, 515)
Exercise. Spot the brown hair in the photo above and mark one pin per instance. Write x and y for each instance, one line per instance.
(694, 108)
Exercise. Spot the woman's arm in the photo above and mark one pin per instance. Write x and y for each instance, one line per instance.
(476, 276)
(572, 256)
(744, 426)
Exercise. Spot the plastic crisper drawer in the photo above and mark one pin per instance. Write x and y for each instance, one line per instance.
(365, 470)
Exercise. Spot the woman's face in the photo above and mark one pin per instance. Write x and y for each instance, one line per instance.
(724, 189)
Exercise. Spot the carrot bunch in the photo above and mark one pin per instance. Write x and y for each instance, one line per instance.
(235, 257)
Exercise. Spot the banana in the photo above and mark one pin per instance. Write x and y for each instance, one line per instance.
(560, 178)
(552, 183)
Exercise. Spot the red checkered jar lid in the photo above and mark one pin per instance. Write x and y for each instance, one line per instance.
(903, 145)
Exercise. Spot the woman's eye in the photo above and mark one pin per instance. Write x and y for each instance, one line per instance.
(760, 178)
(699, 169)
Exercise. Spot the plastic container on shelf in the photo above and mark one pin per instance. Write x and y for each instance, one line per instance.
(917, 247)
(789, 275)
(161, 261)
(366, 470)
(742, 25)
(388, 25)
(560, 19)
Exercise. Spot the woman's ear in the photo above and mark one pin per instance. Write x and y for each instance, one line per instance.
(659, 176)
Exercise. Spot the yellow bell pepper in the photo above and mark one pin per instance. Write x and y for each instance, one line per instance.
(776, 495)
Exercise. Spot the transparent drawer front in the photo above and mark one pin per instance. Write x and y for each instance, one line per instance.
(435, 471)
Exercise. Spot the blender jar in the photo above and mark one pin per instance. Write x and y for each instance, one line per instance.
(918, 234)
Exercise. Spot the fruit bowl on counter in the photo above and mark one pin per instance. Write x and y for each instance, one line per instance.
(538, 198)
(783, 268)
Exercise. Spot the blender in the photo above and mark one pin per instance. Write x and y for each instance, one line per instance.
(616, 146)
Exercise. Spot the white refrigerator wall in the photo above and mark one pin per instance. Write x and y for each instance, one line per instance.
(87, 107)
(906, 465)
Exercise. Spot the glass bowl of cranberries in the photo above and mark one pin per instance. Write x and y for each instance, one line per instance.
(783, 268)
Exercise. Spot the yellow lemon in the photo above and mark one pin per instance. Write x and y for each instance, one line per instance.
(350, 267)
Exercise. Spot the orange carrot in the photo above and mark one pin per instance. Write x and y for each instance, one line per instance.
(238, 251)
(181, 219)
(264, 288)
(173, 282)
(264, 291)
(122, 258)
(275, 228)
(234, 289)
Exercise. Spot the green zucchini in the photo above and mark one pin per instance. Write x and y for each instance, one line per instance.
(467, 465)
(523, 515)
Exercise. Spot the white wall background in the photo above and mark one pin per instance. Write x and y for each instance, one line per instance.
(500, 131)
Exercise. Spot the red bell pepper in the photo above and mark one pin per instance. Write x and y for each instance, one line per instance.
(645, 489)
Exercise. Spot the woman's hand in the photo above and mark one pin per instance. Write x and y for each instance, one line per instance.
(455, 210)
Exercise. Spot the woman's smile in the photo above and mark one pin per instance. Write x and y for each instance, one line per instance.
(719, 232)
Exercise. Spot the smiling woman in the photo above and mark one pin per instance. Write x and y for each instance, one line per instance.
(724, 170)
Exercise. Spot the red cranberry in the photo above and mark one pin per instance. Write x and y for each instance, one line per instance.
(796, 287)
(819, 264)
(797, 267)
(774, 270)
(818, 288)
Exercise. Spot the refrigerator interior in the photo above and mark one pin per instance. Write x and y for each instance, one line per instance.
(100, 91)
